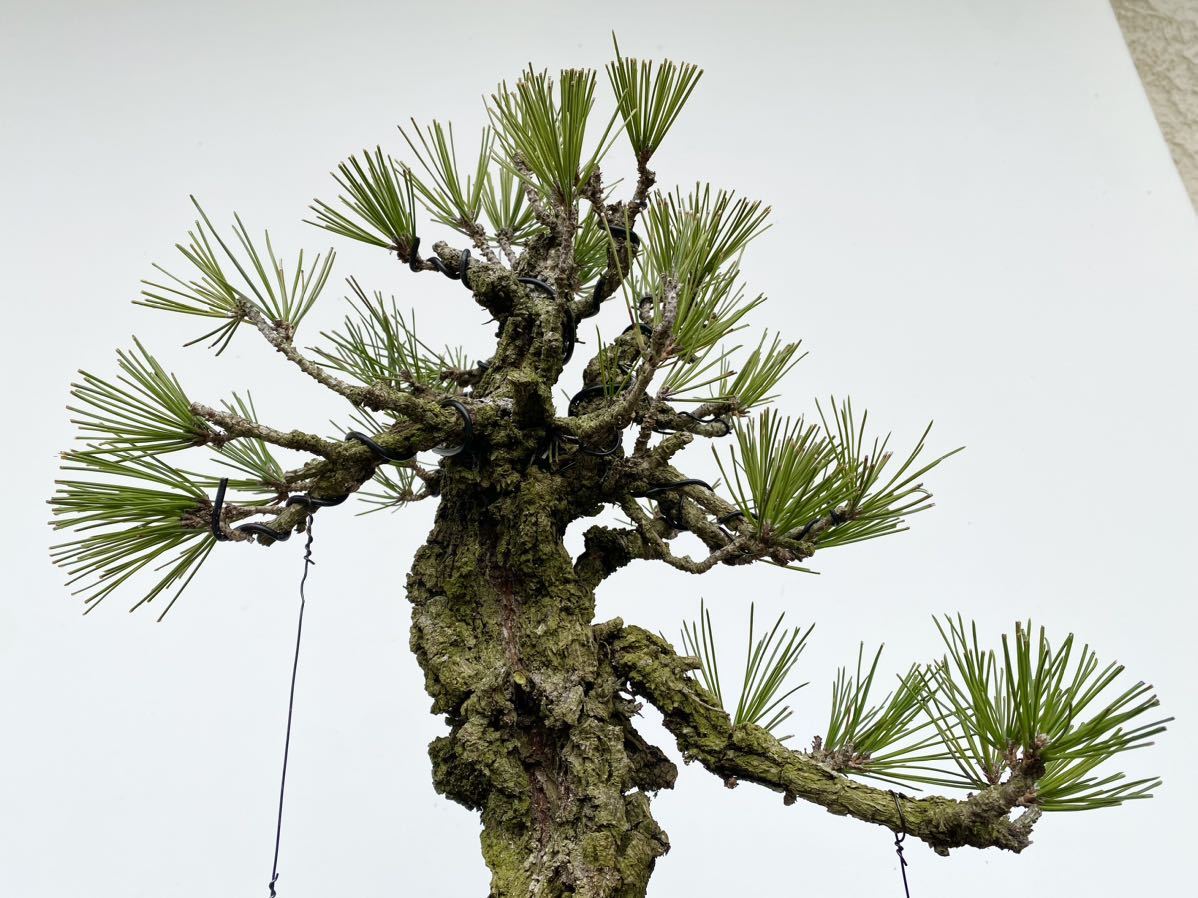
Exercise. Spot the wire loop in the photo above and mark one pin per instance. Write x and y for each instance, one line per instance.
(218, 505)
(464, 269)
(712, 420)
(645, 329)
(462, 274)
(900, 836)
(569, 334)
(467, 428)
(669, 487)
(414, 262)
(257, 529)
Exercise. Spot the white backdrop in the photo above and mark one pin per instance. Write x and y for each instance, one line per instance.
(975, 220)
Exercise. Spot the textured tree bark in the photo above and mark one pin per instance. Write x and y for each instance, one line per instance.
(540, 736)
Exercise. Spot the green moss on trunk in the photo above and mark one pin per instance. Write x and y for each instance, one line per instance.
(540, 737)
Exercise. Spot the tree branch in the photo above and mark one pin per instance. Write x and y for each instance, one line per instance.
(493, 286)
(617, 415)
(661, 549)
(705, 734)
(701, 422)
(349, 465)
(378, 397)
(606, 550)
(235, 426)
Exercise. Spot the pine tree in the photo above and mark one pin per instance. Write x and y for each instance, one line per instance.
(541, 700)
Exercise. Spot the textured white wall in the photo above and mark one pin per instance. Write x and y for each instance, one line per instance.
(975, 220)
(1163, 38)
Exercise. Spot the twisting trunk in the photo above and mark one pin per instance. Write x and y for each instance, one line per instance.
(540, 741)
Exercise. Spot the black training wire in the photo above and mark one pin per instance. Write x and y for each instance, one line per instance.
(279, 536)
(299, 633)
(540, 285)
(645, 329)
(714, 419)
(462, 274)
(467, 429)
(586, 393)
(464, 269)
(569, 334)
(676, 485)
(415, 262)
(899, 836)
(218, 505)
(378, 451)
(624, 234)
(668, 487)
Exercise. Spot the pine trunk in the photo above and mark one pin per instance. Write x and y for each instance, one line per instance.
(540, 738)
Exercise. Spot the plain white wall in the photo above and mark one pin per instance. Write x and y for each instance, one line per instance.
(975, 220)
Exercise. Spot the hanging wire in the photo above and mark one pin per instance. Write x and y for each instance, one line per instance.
(900, 836)
(299, 632)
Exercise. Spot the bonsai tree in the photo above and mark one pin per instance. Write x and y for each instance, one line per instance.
(541, 700)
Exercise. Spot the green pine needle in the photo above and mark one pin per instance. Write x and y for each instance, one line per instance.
(252, 458)
(379, 197)
(782, 474)
(1040, 702)
(882, 741)
(752, 384)
(590, 249)
(787, 476)
(395, 488)
(769, 661)
(505, 205)
(377, 344)
(692, 236)
(144, 411)
(692, 242)
(453, 200)
(132, 512)
(543, 126)
(650, 100)
(215, 292)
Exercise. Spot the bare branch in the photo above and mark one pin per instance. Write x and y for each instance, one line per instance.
(235, 426)
(682, 562)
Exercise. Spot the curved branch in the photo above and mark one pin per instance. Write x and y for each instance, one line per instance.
(493, 286)
(618, 414)
(606, 550)
(706, 734)
(731, 548)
